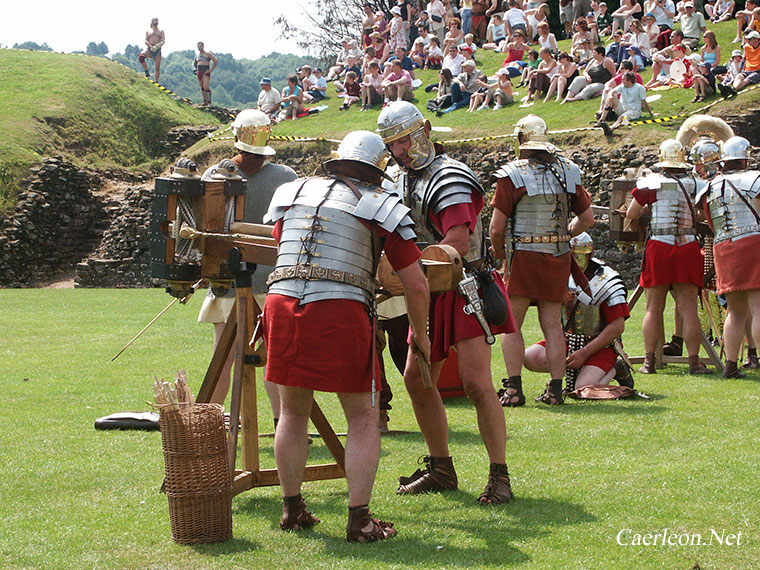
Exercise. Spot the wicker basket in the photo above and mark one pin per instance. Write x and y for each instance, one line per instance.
(197, 473)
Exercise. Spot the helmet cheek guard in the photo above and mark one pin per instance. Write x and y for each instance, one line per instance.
(402, 119)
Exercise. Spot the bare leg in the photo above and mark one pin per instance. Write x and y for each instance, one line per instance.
(362, 446)
(428, 407)
(157, 60)
(290, 445)
(535, 358)
(475, 371)
(593, 375)
(513, 345)
(652, 323)
(685, 295)
(733, 330)
(550, 318)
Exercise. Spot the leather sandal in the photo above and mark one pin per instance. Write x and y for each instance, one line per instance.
(359, 518)
(696, 368)
(295, 516)
(552, 396)
(732, 370)
(752, 362)
(511, 395)
(438, 475)
(498, 489)
(674, 347)
(623, 374)
(649, 366)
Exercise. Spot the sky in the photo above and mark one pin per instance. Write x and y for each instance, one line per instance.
(244, 29)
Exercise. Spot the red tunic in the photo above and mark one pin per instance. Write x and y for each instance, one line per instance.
(326, 345)
(733, 269)
(533, 274)
(606, 357)
(668, 264)
(448, 322)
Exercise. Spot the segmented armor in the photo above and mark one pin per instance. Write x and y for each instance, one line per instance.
(325, 251)
(541, 217)
(732, 217)
(672, 211)
(445, 182)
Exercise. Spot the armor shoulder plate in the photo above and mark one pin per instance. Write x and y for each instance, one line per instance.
(605, 285)
(651, 182)
(573, 174)
(514, 171)
(703, 189)
(450, 182)
(283, 199)
(387, 210)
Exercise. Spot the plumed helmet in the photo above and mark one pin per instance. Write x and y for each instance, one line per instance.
(401, 119)
(358, 150)
(672, 155)
(251, 129)
(532, 134)
(581, 242)
(735, 148)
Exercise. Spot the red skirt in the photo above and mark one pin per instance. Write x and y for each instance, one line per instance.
(449, 324)
(323, 345)
(539, 276)
(666, 264)
(736, 268)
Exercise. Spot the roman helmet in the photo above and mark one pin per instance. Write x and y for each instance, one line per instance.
(582, 246)
(532, 134)
(705, 155)
(359, 151)
(251, 129)
(735, 148)
(401, 119)
(672, 155)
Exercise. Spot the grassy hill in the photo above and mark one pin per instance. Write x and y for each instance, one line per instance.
(88, 109)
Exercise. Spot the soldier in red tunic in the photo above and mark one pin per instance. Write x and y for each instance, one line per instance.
(319, 316)
(542, 194)
(732, 204)
(672, 258)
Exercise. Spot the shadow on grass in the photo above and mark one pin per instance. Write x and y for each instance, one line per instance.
(639, 408)
(232, 546)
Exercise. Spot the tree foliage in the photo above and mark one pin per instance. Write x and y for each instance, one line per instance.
(96, 48)
(328, 21)
(34, 46)
(234, 82)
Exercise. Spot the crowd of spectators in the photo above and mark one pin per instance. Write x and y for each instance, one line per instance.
(608, 47)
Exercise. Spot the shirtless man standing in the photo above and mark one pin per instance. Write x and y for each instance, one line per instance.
(154, 41)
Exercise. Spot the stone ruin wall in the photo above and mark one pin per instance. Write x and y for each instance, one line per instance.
(61, 221)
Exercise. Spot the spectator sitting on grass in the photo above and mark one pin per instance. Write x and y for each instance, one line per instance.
(269, 99)
(443, 99)
(462, 88)
(743, 19)
(351, 65)
(478, 97)
(626, 100)
(750, 75)
(453, 61)
(406, 62)
(582, 35)
(500, 92)
(721, 11)
(733, 69)
(546, 38)
(515, 19)
(662, 59)
(536, 16)
(540, 78)
(340, 62)
(604, 20)
(615, 81)
(382, 50)
(434, 54)
(598, 72)
(515, 49)
(455, 35)
(397, 85)
(495, 33)
(292, 99)
(418, 55)
(567, 70)
(318, 89)
(372, 86)
(533, 63)
(692, 25)
(351, 90)
(469, 41)
(703, 81)
(710, 52)
(424, 35)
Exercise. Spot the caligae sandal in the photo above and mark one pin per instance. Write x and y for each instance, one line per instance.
(511, 395)
(552, 396)
(359, 518)
(498, 489)
(295, 515)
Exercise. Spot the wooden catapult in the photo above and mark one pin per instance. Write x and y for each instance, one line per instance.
(192, 238)
(625, 231)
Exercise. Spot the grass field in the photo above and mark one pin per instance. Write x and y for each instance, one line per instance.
(685, 460)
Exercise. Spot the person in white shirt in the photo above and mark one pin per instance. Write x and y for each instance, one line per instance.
(626, 100)
(453, 61)
(269, 99)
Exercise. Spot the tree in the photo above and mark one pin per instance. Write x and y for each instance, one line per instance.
(97, 49)
(33, 46)
(329, 21)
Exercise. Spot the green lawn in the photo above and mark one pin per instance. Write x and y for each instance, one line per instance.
(684, 460)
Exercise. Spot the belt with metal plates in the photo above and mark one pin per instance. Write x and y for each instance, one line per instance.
(541, 239)
(671, 232)
(308, 272)
(736, 232)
